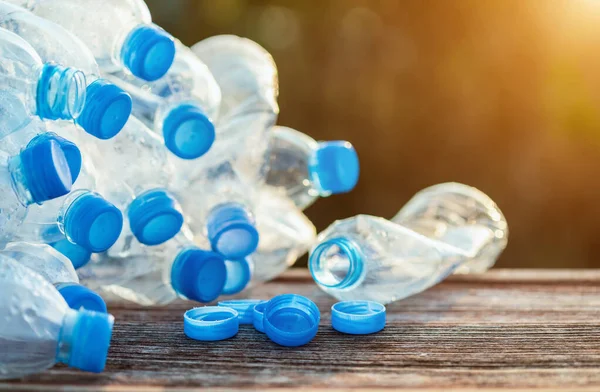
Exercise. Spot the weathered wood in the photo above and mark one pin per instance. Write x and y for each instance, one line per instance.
(515, 329)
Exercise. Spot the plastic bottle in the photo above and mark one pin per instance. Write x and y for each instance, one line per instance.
(247, 76)
(58, 270)
(371, 258)
(107, 106)
(31, 87)
(119, 33)
(304, 169)
(181, 106)
(38, 173)
(39, 329)
(159, 275)
(461, 216)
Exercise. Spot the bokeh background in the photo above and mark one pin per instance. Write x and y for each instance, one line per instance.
(503, 95)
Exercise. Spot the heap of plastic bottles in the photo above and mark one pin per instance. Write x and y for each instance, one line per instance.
(137, 167)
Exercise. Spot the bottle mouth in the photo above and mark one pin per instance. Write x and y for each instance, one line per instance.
(148, 52)
(334, 167)
(61, 92)
(155, 217)
(232, 231)
(106, 111)
(188, 132)
(337, 263)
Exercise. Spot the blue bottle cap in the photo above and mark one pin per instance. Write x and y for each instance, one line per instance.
(232, 231)
(211, 323)
(291, 320)
(46, 171)
(69, 148)
(244, 307)
(334, 167)
(78, 296)
(106, 111)
(198, 275)
(358, 317)
(78, 255)
(93, 222)
(90, 341)
(188, 132)
(239, 273)
(148, 52)
(257, 316)
(155, 217)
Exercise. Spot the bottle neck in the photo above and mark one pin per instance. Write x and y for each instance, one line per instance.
(18, 181)
(65, 340)
(60, 92)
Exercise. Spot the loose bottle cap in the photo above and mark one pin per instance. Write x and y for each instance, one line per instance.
(210, 323)
(291, 320)
(244, 307)
(258, 315)
(358, 317)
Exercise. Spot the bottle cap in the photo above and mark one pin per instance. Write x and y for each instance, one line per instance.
(78, 296)
(188, 132)
(93, 222)
(46, 171)
(90, 341)
(78, 255)
(257, 316)
(155, 217)
(106, 111)
(211, 323)
(239, 273)
(291, 320)
(358, 317)
(244, 307)
(198, 275)
(69, 148)
(232, 231)
(148, 52)
(334, 167)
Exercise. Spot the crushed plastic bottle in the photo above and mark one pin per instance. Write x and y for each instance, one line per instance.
(106, 107)
(38, 328)
(304, 169)
(56, 269)
(31, 87)
(38, 173)
(461, 216)
(119, 33)
(180, 107)
(158, 275)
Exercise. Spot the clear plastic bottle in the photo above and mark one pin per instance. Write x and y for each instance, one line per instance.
(39, 329)
(32, 87)
(303, 169)
(119, 33)
(107, 106)
(159, 275)
(181, 106)
(247, 76)
(461, 216)
(371, 258)
(285, 235)
(58, 270)
(38, 173)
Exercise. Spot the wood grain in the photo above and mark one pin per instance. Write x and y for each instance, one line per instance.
(507, 329)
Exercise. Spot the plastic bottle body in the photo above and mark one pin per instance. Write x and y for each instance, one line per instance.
(461, 216)
(13, 199)
(370, 258)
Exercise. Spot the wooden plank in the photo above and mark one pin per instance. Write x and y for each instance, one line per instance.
(505, 329)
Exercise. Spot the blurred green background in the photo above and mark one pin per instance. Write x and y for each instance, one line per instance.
(503, 95)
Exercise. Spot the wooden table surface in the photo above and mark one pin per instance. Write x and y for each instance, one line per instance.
(507, 329)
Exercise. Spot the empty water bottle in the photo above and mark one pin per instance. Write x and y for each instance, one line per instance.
(160, 274)
(180, 106)
(58, 270)
(304, 169)
(40, 172)
(119, 33)
(106, 107)
(31, 87)
(461, 216)
(38, 328)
